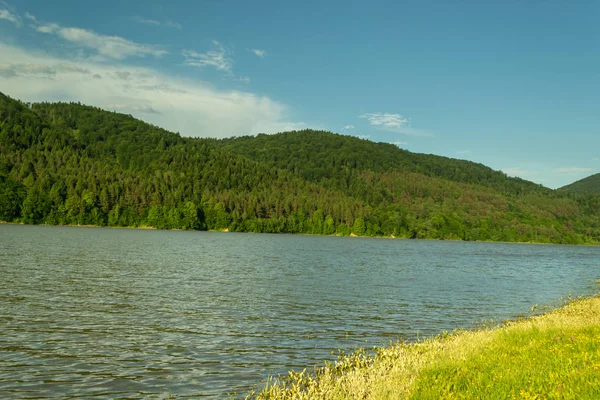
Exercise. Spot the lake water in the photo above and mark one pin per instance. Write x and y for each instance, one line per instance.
(88, 312)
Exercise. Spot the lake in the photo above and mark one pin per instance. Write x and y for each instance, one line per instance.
(93, 312)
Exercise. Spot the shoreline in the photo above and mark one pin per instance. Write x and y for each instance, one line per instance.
(226, 230)
(552, 354)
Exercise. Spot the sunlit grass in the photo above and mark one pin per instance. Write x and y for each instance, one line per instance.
(551, 356)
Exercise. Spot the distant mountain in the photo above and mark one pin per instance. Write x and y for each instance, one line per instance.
(67, 163)
(591, 184)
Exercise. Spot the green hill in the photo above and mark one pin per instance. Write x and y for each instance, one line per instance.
(320, 156)
(73, 164)
(591, 184)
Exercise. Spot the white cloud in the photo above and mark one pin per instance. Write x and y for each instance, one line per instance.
(347, 127)
(146, 21)
(573, 170)
(48, 28)
(463, 152)
(393, 122)
(400, 144)
(8, 16)
(30, 17)
(259, 53)
(173, 24)
(364, 137)
(218, 58)
(39, 70)
(114, 47)
(191, 107)
(386, 120)
(110, 46)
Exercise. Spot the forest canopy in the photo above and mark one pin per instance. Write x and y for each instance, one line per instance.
(591, 184)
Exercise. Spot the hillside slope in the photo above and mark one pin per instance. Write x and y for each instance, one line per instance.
(591, 184)
(74, 164)
(321, 156)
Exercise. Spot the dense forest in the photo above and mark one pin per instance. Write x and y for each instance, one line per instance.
(66, 163)
(591, 184)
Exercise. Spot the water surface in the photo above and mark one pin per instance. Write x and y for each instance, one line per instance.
(90, 312)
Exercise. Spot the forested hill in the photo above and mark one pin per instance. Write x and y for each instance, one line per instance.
(591, 184)
(320, 156)
(74, 164)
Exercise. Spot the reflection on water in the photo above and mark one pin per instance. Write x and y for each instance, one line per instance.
(90, 312)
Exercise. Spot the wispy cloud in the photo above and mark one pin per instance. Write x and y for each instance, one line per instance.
(153, 22)
(173, 24)
(30, 17)
(364, 137)
(48, 28)
(218, 58)
(259, 53)
(400, 144)
(114, 47)
(463, 152)
(573, 170)
(39, 70)
(347, 127)
(393, 123)
(385, 120)
(187, 106)
(145, 21)
(8, 16)
(110, 46)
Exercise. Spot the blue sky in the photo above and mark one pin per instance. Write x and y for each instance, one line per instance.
(514, 84)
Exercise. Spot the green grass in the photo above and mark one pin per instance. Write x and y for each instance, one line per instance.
(552, 363)
(551, 356)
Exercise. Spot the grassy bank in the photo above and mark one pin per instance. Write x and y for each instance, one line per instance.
(550, 356)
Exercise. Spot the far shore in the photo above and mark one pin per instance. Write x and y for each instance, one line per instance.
(352, 235)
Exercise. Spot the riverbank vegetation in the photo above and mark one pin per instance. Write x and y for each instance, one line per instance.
(550, 356)
(70, 164)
